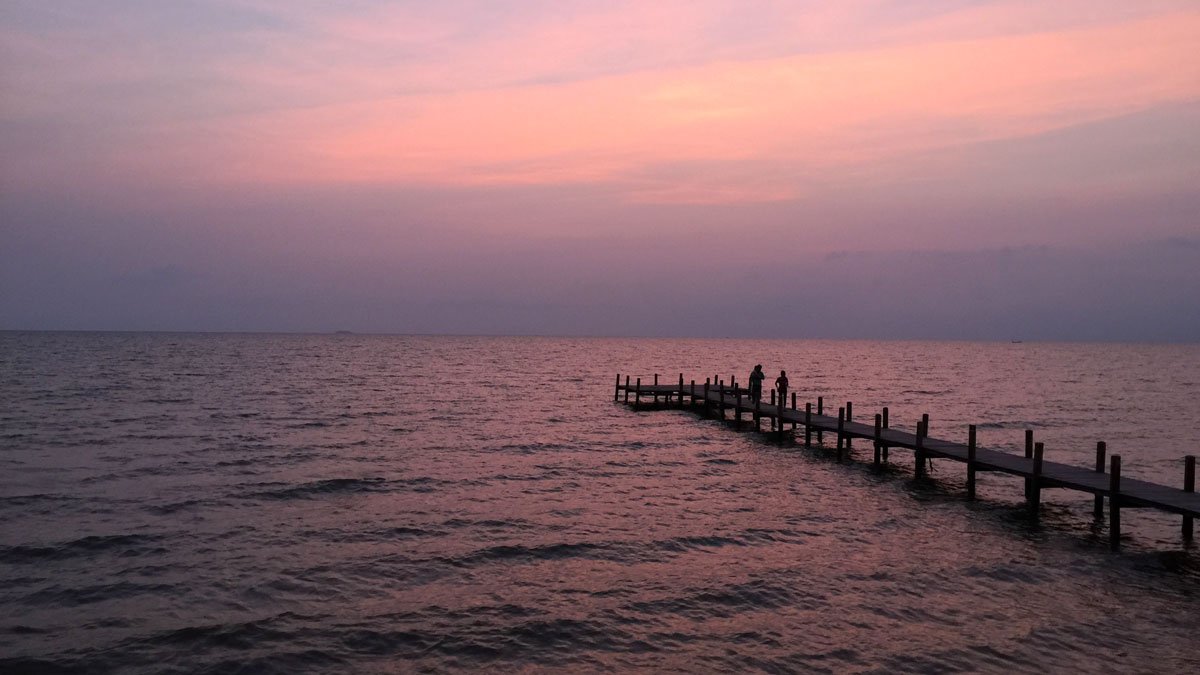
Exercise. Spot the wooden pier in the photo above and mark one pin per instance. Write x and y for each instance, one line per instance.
(713, 397)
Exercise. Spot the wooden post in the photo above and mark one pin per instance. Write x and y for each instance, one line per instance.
(820, 411)
(885, 426)
(721, 397)
(779, 418)
(617, 390)
(878, 438)
(737, 410)
(920, 456)
(773, 420)
(1028, 455)
(656, 389)
(793, 409)
(627, 389)
(1035, 492)
(849, 414)
(971, 462)
(1114, 503)
(1098, 500)
(1189, 485)
(693, 393)
(808, 424)
(637, 399)
(706, 401)
(681, 390)
(758, 414)
(841, 425)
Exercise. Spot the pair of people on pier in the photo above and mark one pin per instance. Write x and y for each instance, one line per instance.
(756, 379)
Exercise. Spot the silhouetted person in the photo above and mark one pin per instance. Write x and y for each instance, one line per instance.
(781, 386)
(756, 379)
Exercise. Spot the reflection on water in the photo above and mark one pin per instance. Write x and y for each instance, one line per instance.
(334, 503)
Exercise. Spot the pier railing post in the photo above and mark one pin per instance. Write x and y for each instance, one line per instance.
(793, 409)
(971, 462)
(918, 451)
(681, 390)
(841, 426)
(1189, 485)
(1035, 482)
(808, 424)
(637, 399)
(1098, 500)
(1028, 455)
(849, 415)
(617, 390)
(779, 418)
(721, 399)
(820, 411)
(885, 426)
(878, 438)
(1114, 503)
(627, 389)
(707, 403)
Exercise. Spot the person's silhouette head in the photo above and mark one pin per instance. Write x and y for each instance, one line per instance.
(758, 367)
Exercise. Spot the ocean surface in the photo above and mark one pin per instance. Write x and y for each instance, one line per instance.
(344, 503)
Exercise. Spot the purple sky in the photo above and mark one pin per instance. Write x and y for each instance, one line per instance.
(871, 168)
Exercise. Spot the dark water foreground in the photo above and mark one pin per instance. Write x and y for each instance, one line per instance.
(192, 503)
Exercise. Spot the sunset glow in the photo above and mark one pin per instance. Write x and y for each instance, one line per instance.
(846, 126)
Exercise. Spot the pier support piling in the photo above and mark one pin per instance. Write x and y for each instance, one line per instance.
(878, 438)
(849, 416)
(1114, 503)
(820, 411)
(841, 426)
(919, 452)
(627, 389)
(1035, 481)
(1028, 455)
(1098, 500)
(637, 399)
(1189, 485)
(808, 424)
(885, 426)
(617, 390)
(971, 462)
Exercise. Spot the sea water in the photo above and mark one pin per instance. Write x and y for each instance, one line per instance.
(344, 503)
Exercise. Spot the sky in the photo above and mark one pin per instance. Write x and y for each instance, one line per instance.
(880, 169)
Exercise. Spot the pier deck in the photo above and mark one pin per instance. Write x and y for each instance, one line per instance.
(1038, 474)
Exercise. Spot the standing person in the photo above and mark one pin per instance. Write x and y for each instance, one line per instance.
(781, 385)
(756, 379)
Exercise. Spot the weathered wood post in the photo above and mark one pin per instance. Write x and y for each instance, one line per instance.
(1114, 503)
(721, 397)
(693, 393)
(808, 424)
(707, 403)
(1189, 485)
(1035, 482)
(793, 409)
(737, 410)
(971, 462)
(1098, 500)
(917, 451)
(637, 399)
(681, 390)
(627, 389)
(820, 411)
(849, 415)
(779, 418)
(1028, 455)
(885, 426)
(656, 390)
(617, 390)
(878, 437)
(840, 427)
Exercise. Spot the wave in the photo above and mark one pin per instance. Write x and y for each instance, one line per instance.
(125, 545)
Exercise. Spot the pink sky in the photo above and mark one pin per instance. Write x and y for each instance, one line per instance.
(349, 140)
